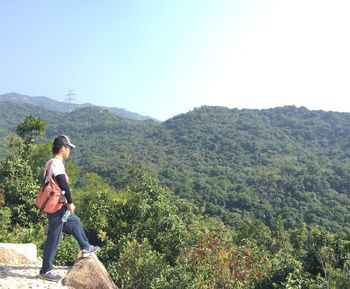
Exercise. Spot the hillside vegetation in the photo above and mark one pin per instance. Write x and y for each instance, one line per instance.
(239, 165)
(152, 239)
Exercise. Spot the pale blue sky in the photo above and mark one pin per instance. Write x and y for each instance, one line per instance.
(161, 58)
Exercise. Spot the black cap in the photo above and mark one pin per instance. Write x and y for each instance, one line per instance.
(62, 141)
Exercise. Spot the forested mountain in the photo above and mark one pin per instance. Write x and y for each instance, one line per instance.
(12, 113)
(237, 164)
(50, 104)
(278, 178)
(286, 161)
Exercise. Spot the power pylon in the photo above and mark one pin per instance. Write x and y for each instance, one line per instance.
(70, 97)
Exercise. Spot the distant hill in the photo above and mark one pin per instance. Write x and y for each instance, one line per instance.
(60, 106)
(237, 164)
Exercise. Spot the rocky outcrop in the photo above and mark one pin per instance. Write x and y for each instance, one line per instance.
(19, 268)
(18, 254)
(26, 277)
(88, 273)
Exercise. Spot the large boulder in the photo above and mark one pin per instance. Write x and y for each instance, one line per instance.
(88, 273)
(18, 254)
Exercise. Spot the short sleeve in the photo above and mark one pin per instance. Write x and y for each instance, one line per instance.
(57, 168)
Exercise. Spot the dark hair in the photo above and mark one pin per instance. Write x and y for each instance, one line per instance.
(59, 142)
(56, 149)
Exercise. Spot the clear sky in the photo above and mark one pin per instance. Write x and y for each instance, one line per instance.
(165, 57)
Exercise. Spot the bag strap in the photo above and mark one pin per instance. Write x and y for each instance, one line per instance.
(47, 172)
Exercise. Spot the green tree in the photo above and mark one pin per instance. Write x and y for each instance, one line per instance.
(18, 186)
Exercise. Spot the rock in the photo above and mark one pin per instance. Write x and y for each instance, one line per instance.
(18, 254)
(88, 273)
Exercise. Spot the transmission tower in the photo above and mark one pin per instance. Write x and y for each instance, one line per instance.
(70, 97)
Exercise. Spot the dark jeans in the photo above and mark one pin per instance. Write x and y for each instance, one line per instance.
(72, 226)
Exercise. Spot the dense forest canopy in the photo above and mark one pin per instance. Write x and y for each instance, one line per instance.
(288, 161)
(278, 179)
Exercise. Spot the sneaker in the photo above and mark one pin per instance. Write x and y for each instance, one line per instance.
(50, 276)
(92, 249)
